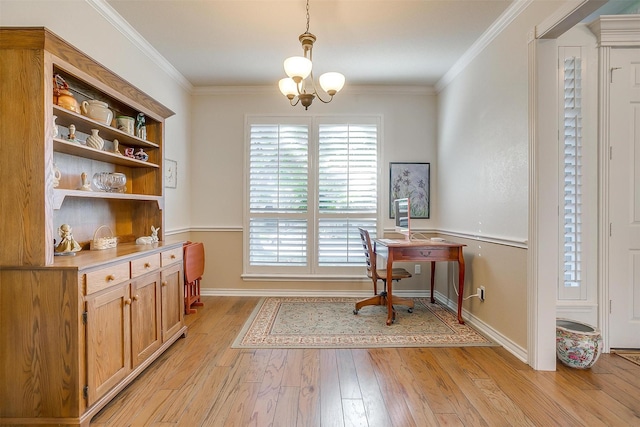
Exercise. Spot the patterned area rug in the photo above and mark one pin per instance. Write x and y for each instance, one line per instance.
(310, 322)
(630, 355)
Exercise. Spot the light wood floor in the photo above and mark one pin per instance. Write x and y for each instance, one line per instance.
(201, 381)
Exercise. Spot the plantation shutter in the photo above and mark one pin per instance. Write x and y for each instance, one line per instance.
(572, 200)
(347, 190)
(312, 182)
(278, 194)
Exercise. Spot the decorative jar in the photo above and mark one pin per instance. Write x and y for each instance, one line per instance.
(125, 124)
(62, 96)
(97, 110)
(94, 140)
(578, 345)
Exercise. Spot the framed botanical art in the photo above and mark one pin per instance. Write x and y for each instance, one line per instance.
(170, 173)
(410, 180)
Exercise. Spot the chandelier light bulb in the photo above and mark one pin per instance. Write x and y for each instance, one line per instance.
(288, 87)
(297, 67)
(331, 82)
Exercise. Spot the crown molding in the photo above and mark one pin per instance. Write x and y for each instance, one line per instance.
(507, 17)
(352, 89)
(617, 30)
(114, 18)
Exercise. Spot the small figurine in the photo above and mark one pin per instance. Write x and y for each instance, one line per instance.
(141, 129)
(54, 131)
(68, 243)
(72, 134)
(141, 155)
(149, 240)
(116, 149)
(129, 152)
(86, 185)
(57, 175)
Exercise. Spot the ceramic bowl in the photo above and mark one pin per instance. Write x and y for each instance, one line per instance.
(578, 345)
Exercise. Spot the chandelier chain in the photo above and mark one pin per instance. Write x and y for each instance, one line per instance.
(307, 16)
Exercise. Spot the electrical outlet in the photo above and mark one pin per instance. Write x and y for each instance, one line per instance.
(417, 269)
(482, 293)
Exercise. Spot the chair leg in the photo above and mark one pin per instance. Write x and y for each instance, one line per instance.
(380, 299)
(408, 302)
(376, 299)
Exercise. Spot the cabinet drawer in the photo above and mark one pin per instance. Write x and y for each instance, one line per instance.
(105, 277)
(169, 257)
(145, 265)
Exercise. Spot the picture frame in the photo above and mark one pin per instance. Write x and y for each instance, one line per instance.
(170, 173)
(410, 180)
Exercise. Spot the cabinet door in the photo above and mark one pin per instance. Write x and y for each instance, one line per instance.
(108, 330)
(172, 300)
(145, 317)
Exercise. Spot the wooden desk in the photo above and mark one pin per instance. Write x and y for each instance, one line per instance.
(420, 250)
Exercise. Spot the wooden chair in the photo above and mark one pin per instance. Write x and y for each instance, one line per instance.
(193, 270)
(380, 274)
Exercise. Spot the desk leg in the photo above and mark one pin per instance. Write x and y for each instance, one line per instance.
(460, 285)
(390, 314)
(433, 281)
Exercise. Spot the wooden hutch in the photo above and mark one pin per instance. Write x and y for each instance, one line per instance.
(75, 330)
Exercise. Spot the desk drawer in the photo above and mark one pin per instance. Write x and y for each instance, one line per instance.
(426, 254)
(169, 257)
(101, 279)
(145, 265)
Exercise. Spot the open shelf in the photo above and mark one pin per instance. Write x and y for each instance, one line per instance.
(76, 149)
(60, 194)
(85, 124)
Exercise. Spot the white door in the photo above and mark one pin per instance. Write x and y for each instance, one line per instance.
(624, 199)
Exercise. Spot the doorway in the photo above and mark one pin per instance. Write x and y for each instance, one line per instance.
(624, 198)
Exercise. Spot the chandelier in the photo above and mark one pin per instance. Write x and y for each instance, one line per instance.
(300, 84)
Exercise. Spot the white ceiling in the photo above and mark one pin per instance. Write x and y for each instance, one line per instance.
(372, 42)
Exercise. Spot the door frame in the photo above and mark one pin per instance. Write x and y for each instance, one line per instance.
(613, 31)
(542, 256)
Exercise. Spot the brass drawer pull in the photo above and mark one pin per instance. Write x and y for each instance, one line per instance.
(111, 278)
(147, 265)
(425, 254)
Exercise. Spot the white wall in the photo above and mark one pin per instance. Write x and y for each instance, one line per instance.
(409, 134)
(81, 25)
(483, 171)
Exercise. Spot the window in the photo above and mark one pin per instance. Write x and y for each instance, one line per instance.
(571, 169)
(312, 183)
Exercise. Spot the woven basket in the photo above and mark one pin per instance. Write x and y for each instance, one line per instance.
(100, 243)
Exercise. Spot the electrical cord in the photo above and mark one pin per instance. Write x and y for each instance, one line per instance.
(417, 235)
(455, 288)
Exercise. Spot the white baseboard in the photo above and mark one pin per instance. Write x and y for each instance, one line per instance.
(469, 318)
